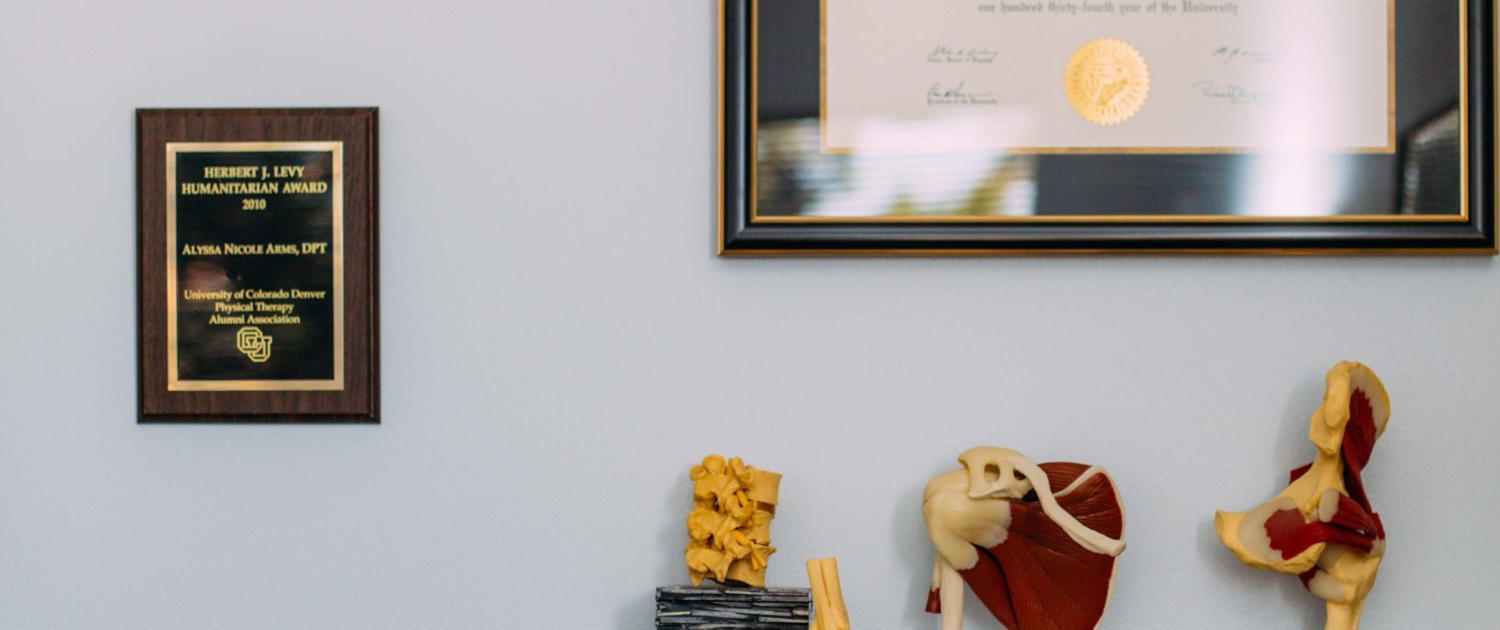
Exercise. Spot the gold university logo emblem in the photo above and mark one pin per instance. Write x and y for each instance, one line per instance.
(1107, 81)
(254, 344)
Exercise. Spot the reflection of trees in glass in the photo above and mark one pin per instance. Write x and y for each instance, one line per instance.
(1007, 190)
(795, 178)
(794, 173)
(903, 207)
(1013, 176)
(788, 196)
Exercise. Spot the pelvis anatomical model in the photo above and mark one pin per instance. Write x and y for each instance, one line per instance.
(1037, 543)
(1322, 528)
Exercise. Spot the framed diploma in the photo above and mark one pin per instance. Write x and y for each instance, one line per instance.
(257, 269)
(1107, 126)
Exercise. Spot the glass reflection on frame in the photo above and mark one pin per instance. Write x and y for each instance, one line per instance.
(969, 179)
(797, 179)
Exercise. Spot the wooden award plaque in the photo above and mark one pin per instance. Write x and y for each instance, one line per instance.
(258, 265)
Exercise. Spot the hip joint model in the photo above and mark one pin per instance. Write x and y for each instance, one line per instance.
(1322, 528)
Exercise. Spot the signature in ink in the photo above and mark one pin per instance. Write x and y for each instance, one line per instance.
(1235, 94)
(957, 95)
(1228, 54)
(976, 56)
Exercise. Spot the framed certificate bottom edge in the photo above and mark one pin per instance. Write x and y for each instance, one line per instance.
(741, 233)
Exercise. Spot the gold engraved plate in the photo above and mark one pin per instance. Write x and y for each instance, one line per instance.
(1107, 81)
(265, 313)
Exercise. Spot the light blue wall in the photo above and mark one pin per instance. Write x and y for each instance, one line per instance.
(561, 344)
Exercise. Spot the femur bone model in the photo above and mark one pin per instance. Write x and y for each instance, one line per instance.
(1322, 527)
(1037, 543)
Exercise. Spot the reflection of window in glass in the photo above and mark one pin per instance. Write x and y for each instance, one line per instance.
(797, 179)
(1294, 185)
(1433, 178)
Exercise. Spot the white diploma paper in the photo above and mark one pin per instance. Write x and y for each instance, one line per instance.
(1225, 76)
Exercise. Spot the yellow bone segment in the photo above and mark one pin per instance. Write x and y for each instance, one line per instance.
(729, 527)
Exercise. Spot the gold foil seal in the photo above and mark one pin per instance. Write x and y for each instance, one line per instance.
(1107, 81)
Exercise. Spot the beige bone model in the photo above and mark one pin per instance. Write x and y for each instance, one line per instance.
(1028, 539)
(1321, 528)
(829, 612)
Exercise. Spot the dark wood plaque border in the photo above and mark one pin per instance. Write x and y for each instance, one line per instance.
(739, 234)
(358, 129)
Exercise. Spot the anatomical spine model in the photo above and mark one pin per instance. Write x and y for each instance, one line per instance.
(1322, 528)
(730, 525)
(1038, 544)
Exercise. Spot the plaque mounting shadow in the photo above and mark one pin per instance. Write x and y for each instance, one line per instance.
(257, 268)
